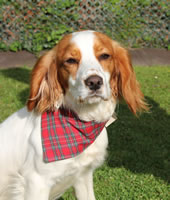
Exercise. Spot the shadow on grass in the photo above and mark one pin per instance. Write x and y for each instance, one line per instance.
(21, 75)
(141, 145)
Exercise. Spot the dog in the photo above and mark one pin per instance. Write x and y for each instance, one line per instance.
(83, 77)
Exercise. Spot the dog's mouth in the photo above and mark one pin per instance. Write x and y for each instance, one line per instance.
(93, 97)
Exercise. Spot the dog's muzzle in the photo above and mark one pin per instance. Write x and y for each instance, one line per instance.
(94, 82)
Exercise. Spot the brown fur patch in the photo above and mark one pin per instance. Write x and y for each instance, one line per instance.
(45, 89)
(123, 80)
(66, 51)
(49, 78)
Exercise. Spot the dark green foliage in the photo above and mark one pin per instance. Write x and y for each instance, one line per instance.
(35, 25)
(140, 23)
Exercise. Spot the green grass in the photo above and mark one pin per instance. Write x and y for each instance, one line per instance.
(138, 163)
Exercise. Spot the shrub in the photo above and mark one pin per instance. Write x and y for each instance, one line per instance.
(140, 23)
(35, 25)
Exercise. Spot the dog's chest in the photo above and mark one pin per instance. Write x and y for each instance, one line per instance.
(91, 157)
(72, 169)
(64, 173)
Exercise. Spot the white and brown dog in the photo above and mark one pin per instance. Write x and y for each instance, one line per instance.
(87, 73)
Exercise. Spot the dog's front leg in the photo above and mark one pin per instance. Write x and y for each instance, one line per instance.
(36, 188)
(84, 186)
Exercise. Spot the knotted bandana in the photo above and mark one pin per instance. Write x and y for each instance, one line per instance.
(65, 136)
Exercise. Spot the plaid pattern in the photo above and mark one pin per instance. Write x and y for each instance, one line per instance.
(65, 136)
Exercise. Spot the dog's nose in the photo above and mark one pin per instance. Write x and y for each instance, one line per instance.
(94, 82)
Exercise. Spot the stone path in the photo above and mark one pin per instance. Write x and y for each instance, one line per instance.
(141, 57)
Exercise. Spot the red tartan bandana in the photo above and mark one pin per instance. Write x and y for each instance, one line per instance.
(65, 136)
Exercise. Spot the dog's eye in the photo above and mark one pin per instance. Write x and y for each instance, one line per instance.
(71, 61)
(104, 56)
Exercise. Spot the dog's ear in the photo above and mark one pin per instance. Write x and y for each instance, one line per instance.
(45, 89)
(124, 83)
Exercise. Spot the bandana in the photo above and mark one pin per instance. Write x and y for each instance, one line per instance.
(65, 136)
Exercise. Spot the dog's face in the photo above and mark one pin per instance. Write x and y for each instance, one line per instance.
(88, 67)
(85, 67)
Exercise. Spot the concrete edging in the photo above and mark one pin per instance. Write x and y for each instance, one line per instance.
(140, 57)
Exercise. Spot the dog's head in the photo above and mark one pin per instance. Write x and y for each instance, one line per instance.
(88, 67)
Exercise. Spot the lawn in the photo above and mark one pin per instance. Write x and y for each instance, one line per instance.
(138, 163)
